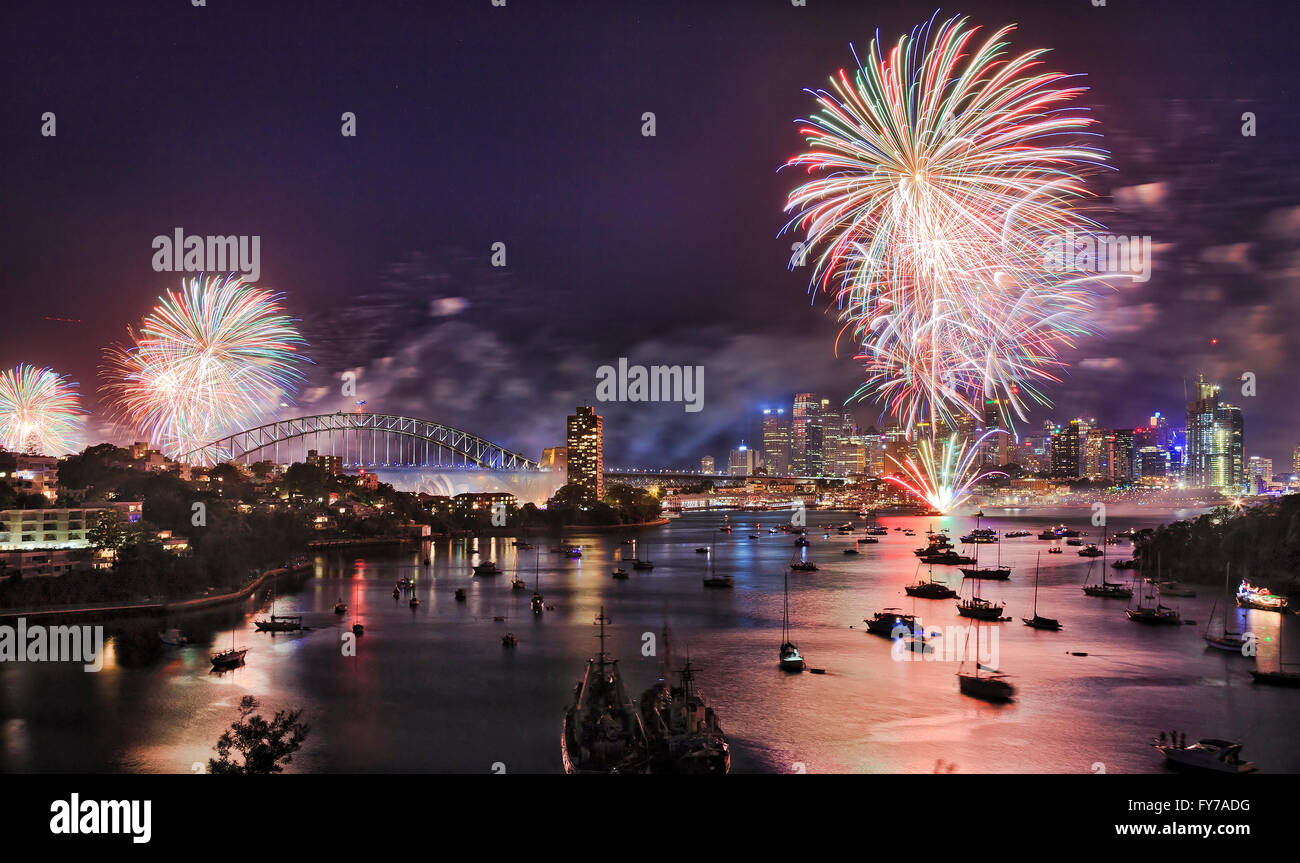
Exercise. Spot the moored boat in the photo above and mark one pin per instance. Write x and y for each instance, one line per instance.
(1260, 598)
(1219, 756)
(601, 732)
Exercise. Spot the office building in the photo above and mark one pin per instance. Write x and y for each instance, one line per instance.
(776, 442)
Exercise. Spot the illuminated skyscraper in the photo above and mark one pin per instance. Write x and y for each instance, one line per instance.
(586, 451)
(1067, 449)
(1215, 453)
(776, 441)
(804, 405)
(707, 465)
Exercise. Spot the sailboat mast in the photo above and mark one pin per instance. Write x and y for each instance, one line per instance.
(785, 616)
(1037, 561)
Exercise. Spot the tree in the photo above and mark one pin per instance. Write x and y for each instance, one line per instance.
(262, 747)
(106, 534)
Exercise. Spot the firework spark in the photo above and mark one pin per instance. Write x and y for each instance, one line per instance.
(945, 479)
(940, 172)
(40, 411)
(210, 359)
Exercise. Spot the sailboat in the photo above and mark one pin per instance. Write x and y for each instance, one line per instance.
(993, 686)
(638, 563)
(930, 589)
(1038, 622)
(1104, 589)
(977, 538)
(978, 608)
(518, 583)
(224, 660)
(1156, 614)
(357, 627)
(602, 733)
(536, 603)
(1226, 639)
(790, 659)
(713, 579)
(279, 623)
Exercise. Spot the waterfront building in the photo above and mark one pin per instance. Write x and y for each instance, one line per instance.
(741, 462)
(586, 451)
(53, 541)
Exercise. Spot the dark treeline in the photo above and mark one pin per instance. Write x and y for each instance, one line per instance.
(1262, 543)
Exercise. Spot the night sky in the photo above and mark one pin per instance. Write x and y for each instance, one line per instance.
(522, 125)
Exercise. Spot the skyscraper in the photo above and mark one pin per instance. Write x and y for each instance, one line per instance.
(741, 461)
(804, 403)
(586, 451)
(1067, 449)
(1215, 453)
(776, 441)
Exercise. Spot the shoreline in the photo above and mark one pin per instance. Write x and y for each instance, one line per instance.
(148, 609)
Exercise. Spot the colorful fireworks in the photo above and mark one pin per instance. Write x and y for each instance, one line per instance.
(210, 359)
(40, 411)
(940, 174)
(946, 480)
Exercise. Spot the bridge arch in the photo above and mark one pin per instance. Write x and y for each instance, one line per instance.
(364, 440)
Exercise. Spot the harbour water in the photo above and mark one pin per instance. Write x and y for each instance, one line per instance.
(432, 689)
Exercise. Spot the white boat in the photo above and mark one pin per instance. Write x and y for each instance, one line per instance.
(173, 637)
(1220, 756)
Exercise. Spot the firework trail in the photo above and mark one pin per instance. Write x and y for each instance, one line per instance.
(40, 411)
(210, 359)
(943, 479)
(939, 174)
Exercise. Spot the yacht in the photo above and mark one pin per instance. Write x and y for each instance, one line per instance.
(1220, 756)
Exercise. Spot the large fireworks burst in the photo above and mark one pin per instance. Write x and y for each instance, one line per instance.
(40, 411)
(208, 360)
(944, 478)
(940, 173)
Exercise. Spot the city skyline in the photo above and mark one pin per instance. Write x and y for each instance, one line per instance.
(1221, 288)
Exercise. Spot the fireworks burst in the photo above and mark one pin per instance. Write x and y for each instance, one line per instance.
(210, 359)
(40, 411)
(946, 480)
(940, 173)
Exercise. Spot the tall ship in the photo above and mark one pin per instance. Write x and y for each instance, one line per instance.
(683, 733)
(602, 732)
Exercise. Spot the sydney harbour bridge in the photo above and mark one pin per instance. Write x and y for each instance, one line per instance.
(411, 454)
